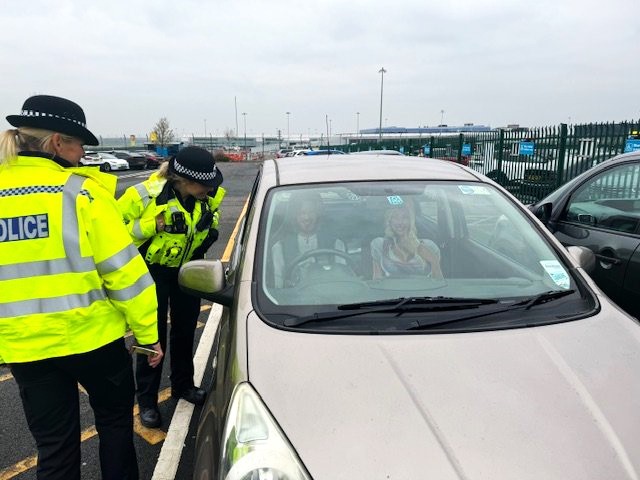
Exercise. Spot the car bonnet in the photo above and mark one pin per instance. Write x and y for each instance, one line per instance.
(559, 401)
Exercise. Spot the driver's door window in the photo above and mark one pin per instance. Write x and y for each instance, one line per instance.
(610, 200)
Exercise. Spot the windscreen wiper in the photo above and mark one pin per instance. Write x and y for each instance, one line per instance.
(525, 304)
(399, 305)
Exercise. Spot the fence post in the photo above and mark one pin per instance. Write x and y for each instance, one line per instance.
(562, 150)
(500, 149)
(460, 140)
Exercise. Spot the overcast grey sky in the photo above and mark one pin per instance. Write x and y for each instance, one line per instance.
(492, 62)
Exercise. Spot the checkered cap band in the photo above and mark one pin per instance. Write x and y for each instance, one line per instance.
(194, 174)
(36, 113)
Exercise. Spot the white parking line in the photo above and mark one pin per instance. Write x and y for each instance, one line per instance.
(171, 452)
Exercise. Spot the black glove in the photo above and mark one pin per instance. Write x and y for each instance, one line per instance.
(211, 237)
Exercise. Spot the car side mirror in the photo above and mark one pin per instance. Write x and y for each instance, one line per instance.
(206, 279)
(543, 212)
(585, 258)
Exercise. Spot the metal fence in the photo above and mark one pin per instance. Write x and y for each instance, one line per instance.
(529, 162)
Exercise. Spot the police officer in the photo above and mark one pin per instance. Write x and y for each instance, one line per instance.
(173, 218)
(71, 284)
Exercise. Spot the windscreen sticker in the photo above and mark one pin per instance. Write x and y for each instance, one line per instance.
(474, 190)
(395, 200)
(557, 273)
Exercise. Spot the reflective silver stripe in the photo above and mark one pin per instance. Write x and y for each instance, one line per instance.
(44, 267)
(117, 261)
(144, 194)
(70, 222)
(70, 239)
(128, 293)
(52, 305)
(137, 230)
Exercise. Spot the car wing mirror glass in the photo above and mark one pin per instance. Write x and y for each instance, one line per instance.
(205, 279)
(584, 257)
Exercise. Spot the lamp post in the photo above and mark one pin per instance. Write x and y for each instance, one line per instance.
(288, 135)
(358, 124)
(244, 121)
(382, 71)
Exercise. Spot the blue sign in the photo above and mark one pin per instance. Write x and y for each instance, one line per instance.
(401, 149)
(526, 148)
(466, 149)
(427, 149)
(632, 145)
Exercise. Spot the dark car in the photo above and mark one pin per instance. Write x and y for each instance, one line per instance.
(154, 160)
(135, 159)
(600, 209)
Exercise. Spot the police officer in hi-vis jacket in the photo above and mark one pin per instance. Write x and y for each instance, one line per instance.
(71, 284)
(173, 218)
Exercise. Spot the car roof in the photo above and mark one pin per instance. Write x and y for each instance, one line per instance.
(332, 168)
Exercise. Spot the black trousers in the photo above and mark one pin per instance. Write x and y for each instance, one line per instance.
(49, 392)
(185, 310)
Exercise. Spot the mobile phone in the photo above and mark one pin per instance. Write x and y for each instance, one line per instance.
(144, 351)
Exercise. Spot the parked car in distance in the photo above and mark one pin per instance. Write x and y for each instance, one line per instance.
(377, 152)
(331, 151)
(105, 161)
(600, 210)
(283, 152)
(507, 365)
(154, 160)
(297, 152)
(135, 159)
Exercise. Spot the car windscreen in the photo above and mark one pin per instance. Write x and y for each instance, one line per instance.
(329, 249)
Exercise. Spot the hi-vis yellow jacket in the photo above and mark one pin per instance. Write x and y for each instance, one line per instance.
(141, 203)
(71, 280)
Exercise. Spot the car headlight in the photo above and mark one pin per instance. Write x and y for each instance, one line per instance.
(254, 447)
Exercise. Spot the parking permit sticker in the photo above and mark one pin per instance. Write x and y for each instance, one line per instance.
(395, 200)
(474, 190)
(558, 274)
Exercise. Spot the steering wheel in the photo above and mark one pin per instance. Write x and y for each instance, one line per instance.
(316, 253)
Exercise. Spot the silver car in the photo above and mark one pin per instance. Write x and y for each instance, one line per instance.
(407, 318)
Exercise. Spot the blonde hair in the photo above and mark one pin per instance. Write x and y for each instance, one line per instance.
(388, 231)
(27, 139)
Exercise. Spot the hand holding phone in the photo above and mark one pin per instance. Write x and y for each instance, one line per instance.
(144, 351)
(154, 353)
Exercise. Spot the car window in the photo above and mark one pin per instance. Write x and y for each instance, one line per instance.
(240, 240)
(326, 245)
(611, 200)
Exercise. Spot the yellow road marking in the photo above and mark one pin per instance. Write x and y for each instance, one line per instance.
(227, 251)
(19, 468)
(30, 462)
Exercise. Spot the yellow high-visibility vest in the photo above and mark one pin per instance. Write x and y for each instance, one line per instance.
(141, 203)
(71, 280)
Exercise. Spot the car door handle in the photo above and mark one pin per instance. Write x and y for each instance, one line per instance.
(606, 259)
